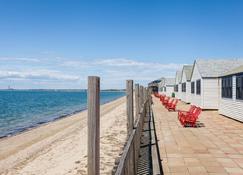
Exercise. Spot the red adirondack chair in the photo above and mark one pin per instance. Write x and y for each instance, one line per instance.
(191, 118)
(172, 107)
(166, 101)
(183, 113)
(169, 102)
(162, 97)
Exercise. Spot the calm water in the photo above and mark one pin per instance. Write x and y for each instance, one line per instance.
(20, 110)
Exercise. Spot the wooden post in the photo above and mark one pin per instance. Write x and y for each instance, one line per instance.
(137, 99)
(140, 98)
(130, 114)
(144, 94)
(93, 125)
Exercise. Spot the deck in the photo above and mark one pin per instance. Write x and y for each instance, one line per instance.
(214, 147)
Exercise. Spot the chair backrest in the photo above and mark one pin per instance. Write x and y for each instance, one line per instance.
(192, 109)
(171, 100)
(166, 98)
(197, 112)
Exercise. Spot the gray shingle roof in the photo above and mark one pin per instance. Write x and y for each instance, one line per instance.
(170, 81)
(188, 71)
(237, 70)
(215, 68)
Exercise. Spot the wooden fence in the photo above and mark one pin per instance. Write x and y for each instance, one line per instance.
(128, 161)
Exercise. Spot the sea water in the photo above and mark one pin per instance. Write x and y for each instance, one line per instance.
(24, 109)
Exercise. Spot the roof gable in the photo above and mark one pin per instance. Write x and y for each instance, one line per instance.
(187, 69)
(178, 76)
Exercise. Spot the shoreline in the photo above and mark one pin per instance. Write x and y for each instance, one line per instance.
(60, 147)
(39, 124)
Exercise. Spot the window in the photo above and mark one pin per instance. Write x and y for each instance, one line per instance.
(183, 88)
(239, 87)
(164, 89)
(227, 87)
(198, 84)
(176, 88)
(193, 87)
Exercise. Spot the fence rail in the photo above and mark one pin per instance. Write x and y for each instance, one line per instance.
(128, 161)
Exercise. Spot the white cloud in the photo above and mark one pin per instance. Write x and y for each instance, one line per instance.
(70, 72)
(37, 75)
(19, 59)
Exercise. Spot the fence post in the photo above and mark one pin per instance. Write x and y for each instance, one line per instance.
(144, 94)
(140, 98)
(130, 114)
(137, 99)
(93, 125)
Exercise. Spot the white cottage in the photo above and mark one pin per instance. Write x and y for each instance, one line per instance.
(231, 96)
(186, 83)
(177, 87)
(205, 82)
(167, 86)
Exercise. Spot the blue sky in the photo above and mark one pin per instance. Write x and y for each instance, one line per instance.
(57, 44)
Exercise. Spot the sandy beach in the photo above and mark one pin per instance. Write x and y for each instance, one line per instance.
(60, 147)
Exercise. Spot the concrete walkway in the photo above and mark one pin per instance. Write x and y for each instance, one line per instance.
(214, 148)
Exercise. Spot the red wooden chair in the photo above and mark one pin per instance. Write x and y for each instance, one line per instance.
(166, 100)
(183, 113)
(191, 118)
(162, 97)
(169, 102)
(172, 107)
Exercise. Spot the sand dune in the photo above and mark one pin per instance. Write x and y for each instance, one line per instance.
(60, 147)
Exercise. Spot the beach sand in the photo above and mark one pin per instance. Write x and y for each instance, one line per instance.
(60, 147)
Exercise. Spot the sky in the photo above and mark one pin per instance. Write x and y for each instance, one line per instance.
(59, 43)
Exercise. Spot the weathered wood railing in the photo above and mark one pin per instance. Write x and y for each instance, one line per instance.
(129, 159)
(128, 163)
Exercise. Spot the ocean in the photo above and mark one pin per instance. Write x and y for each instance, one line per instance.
(24, 109)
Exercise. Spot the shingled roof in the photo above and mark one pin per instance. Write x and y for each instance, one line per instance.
(188, 71)
(237, 70)
(216, 68)
(170, 81)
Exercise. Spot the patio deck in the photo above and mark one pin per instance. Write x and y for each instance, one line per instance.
(214, 148)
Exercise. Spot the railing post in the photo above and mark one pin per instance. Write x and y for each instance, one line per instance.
(93, 125)
(137, 99)
(130, 114)
(140, 98)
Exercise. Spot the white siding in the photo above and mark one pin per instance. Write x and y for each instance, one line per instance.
(197, 99)
(169, 90)
(183, 94)
(210, 93)
(177, 82)
(231, 107)
(188, 92)
(179, 91)
(186, 96)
